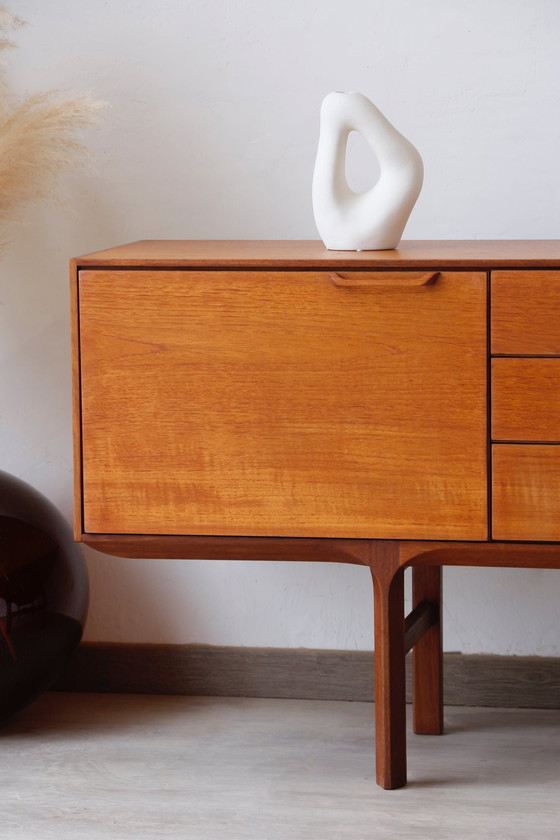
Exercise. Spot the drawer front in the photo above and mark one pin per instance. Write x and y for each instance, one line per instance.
(525, 313)
(274, 403)
(526, 492)
(526, 399)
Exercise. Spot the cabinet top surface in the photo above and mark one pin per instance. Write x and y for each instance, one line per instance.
(210, 253)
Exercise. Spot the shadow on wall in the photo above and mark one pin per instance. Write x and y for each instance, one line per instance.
(35, 366)
(137, 600)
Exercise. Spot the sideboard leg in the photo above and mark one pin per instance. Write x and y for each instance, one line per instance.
(427, 658)
(390, 696)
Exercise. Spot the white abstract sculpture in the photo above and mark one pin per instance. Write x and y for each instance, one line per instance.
(373, 220)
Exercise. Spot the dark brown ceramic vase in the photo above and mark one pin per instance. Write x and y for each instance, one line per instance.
(43, 593)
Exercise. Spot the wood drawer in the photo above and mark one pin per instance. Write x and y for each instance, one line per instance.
(526, 492)
(283, 403)
(525, 313)
(526, 399)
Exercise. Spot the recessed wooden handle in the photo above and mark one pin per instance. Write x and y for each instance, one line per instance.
(382, 279)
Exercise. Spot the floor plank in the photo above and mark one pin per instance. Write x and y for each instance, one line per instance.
(86, 766)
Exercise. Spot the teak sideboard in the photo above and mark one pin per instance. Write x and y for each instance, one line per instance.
(275, 400)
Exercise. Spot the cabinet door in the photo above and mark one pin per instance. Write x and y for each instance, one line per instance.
(283, 403)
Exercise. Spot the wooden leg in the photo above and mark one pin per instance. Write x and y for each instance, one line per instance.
(427, 659)
(390, 697)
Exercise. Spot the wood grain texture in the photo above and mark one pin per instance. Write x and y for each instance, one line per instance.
(526, 492)
(382, 279)
(525, 312)
(427, 656)
(273, 403)
(526, 399)
(418, 622)
(76, 402)
(479, 254)
(277, 549)
(491, 554)
(389, 657)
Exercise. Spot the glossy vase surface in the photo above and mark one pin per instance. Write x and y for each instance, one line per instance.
(43, 593)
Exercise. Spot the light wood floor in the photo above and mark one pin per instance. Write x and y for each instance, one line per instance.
(86, 766)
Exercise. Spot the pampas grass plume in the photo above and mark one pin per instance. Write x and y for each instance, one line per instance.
(37, 138)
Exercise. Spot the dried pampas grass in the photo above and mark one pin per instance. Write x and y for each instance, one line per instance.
(37, 138)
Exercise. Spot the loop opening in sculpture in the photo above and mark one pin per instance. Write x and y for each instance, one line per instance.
(362, 169)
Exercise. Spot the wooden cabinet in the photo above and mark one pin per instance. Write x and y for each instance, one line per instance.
(284, 403)
(254, 400)
(282, 390)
